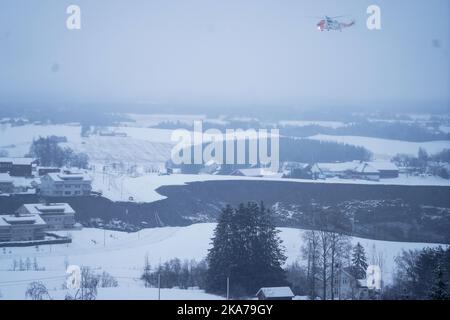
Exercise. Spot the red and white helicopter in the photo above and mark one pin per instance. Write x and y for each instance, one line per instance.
(330, 23)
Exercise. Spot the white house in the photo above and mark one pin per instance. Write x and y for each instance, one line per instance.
(65, 184)
(347, 287)
(57, 215)
(25, 227)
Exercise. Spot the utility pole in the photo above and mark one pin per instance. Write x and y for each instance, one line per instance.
(121, 189)
(104, 237)
(228, 288)
(159, 286)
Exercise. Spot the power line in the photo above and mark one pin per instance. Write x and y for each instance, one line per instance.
(25, 281)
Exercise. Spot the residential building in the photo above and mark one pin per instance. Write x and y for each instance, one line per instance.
(57, 215)
(366, 170)
(386, 169)
(25, 227)
(250, 172)
(6, 183)
(18, 167)
(275, 293)
(347, 287)
(42, 171)
(256, 173)
(65, 184)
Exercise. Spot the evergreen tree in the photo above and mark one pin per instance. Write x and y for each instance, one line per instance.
(220, 256)
(246, 248)
(359, 262)
(439, 288)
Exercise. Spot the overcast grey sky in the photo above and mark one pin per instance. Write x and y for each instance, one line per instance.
(265, 51)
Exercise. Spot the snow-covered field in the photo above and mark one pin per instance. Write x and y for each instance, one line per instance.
(123, 254)
(385, 149)
(142, 145)
(17, 140)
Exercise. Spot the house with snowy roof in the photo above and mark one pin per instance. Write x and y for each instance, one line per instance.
(65, 184)
(58, 216)
(365, 170)
(19, 227)
(345, 286)
(275, 293)
(386, 169)
(6, 183)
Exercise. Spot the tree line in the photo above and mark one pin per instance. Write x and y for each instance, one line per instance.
(248, 254)
(50, 154)
(421, 275)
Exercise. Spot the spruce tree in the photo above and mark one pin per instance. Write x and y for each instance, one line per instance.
(246, 248)
(267, 249)
(439, 288)
(220, 256)
(359, 262)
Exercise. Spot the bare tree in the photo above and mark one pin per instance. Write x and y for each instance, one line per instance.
(311, 253)
(340, 246)
(107, 280)
(324, 248)
(37, 291)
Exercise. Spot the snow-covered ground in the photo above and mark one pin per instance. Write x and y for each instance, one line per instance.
(142, 145)
(384, 149)
(17, 140)
(123, 254)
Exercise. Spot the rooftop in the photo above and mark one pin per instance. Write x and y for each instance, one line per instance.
(276, 292)
(255, 172)
(50, 208)
(56, 176)
(338, 166)
(18, 161)
(5, 178)
(383, 165)
(366, 168)
(25, 219)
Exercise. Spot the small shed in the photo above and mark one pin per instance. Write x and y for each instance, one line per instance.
(275, 293)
